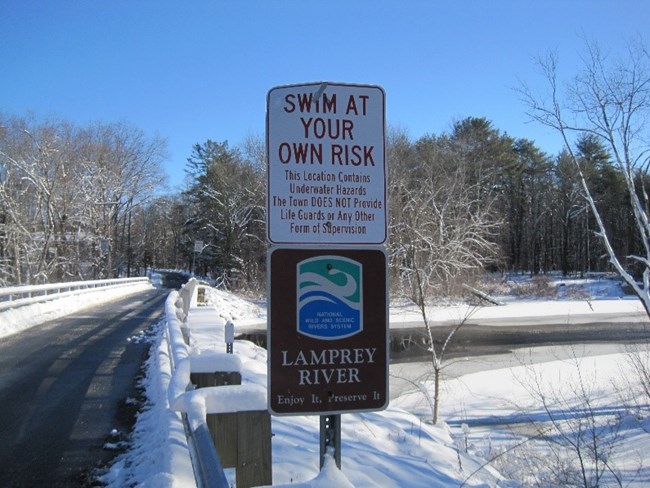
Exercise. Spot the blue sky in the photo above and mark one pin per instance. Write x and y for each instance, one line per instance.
(197, 70)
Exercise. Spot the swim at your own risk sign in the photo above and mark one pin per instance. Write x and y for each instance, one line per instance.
(326, 164)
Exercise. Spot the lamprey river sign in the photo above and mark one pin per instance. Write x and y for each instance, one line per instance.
(326, 164)
(328, 329)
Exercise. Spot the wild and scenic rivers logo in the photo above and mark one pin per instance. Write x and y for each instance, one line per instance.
(329, 296)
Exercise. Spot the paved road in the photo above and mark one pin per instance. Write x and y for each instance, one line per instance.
(61, 385)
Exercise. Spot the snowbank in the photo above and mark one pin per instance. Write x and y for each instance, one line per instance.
(524, 312)
(159, 456)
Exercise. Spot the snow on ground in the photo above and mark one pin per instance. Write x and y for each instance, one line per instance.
(241, 311)
(521, 312)
(485, 415)
(529, 417)
(563, 301)
(525, 425)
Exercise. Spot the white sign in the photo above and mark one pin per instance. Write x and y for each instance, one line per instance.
(326, 164)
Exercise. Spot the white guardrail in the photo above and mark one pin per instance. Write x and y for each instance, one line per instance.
(17, 296)
(207, 467)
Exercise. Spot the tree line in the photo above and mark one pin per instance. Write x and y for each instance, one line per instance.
(87, 202)
(73, 199)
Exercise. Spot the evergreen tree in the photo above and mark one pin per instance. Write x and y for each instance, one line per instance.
(227, 201)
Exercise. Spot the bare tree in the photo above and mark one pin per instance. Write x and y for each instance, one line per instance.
(38, 195)
(438, 355)
(441, 235)
(446, 223)
(66, 193)
(119, 169)
(581, 436)
(609, 99)
(635, 387)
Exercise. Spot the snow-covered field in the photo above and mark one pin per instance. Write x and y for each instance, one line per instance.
(554, 423)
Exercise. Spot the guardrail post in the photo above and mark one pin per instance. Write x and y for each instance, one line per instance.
(218, 378)
(243, 441)
(200, 296)
(223, 429)
(187, 295)
(254, 449)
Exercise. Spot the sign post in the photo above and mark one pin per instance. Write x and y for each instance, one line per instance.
(327, 268)
(198, 249)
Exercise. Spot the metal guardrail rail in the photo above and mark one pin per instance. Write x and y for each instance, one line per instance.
(18, 296)
(208, 470)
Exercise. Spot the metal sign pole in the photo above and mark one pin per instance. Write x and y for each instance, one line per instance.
(330, 438)
(229, 334)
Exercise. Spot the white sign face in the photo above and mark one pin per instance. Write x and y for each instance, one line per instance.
(326, 164)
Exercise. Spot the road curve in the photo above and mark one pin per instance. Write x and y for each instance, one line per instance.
(61, 384)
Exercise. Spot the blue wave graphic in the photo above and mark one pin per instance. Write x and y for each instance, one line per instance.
(322, 314)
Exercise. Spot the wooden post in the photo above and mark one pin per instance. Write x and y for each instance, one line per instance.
(200, 296)
(224, 431)
(223, 427)
(254, 449)
(243, 441)
(218, 378)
